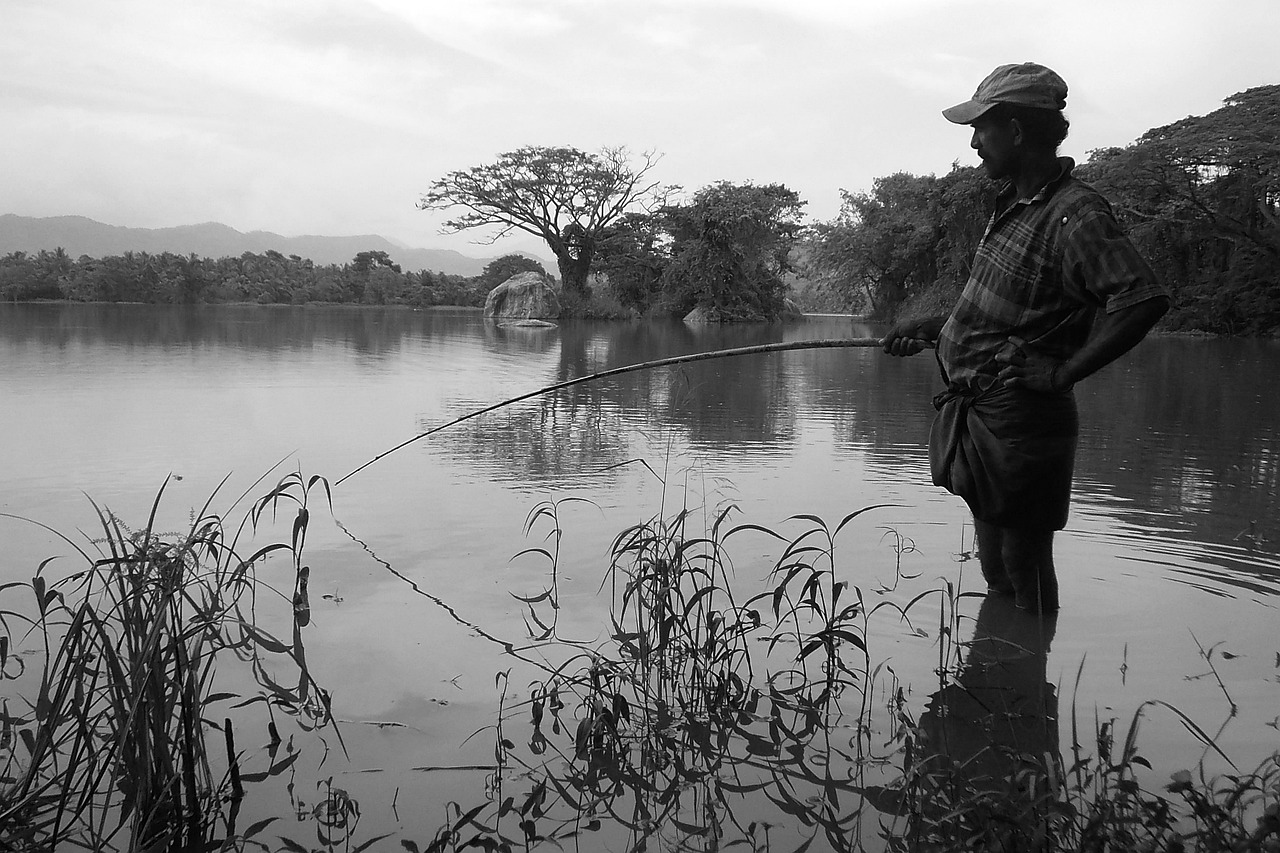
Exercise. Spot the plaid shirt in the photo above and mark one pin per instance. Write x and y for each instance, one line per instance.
(1043, 268)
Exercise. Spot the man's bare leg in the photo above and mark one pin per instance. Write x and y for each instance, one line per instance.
(1020, 561)
(991, 558)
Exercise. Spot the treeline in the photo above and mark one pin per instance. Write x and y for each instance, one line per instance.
(1199, 197)
(727, 251)
(371, 278)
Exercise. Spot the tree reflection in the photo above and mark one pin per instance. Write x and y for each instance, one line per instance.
(1180, 435)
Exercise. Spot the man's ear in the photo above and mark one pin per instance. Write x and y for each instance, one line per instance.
(1016, 127)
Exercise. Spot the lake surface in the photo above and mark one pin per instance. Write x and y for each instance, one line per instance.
(1173, 545)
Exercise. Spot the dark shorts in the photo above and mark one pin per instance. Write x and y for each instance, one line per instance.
(1008, 453)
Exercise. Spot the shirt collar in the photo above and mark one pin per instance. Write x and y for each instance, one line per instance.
(1065, 166)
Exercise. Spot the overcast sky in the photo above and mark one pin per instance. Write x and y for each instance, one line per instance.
(333, 116)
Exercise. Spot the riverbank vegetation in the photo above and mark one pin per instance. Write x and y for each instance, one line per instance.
(710, 715)
(1199, 197)
(118, 734)
(269, 278)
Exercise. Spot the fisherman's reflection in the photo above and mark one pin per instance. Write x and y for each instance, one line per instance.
(986, 745)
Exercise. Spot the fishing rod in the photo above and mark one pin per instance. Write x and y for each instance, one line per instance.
(826, 343)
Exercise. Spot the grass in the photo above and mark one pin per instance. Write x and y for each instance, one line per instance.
(119, 745)
(706, 719)
(706, 722)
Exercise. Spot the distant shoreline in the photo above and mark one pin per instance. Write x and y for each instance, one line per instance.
(243, 304)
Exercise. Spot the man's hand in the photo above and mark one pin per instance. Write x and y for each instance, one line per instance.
(1113, 335)
(1033, 372)
(912, 336)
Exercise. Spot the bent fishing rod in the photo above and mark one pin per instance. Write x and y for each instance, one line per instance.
(827, 343)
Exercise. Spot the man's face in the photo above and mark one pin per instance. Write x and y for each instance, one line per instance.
(993, 139)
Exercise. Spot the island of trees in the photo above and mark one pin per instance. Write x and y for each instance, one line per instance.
(1200, 198)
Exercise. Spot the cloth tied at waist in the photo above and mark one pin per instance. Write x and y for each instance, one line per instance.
(1008, 453)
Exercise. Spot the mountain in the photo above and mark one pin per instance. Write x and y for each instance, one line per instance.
(79, 235)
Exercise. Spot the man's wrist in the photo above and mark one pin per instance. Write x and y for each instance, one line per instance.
(1059, 383)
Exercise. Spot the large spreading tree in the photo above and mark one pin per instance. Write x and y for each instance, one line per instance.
(563, 196)
(1201, 199)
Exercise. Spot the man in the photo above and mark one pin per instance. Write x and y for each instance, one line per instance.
(1056, 292)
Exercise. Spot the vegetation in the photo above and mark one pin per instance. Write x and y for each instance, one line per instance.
(120, 745)
(725, 251)
(269, 279)
(908, 237)
(679, 732)
(562, 196)
(730, 247)
(1200, 198)
(706, 719)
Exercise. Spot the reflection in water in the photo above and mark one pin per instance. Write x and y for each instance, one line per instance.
(986, 744)
(1175, 438)
(1177, 476)
(368, 330)
(997, 724)
(1179, 442)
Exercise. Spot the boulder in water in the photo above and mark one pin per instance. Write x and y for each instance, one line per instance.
(524, 296)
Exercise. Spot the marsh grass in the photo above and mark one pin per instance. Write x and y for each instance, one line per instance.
(707, 721)
(117, 743)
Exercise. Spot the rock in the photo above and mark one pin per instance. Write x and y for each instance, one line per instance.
(712, 316)
(791, 309)
(526, 324)
(702, 317)
(524, 296)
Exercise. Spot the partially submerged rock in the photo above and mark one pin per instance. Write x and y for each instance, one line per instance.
(526, 324)
(524, 296)
(712, 316)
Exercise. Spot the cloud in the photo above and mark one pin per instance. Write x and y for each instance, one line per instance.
(331, 116)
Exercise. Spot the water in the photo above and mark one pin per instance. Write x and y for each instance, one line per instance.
(1173, 540)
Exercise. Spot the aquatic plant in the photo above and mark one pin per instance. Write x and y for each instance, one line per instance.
(705, 722)
(118, 746)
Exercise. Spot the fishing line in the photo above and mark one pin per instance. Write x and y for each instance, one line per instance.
(646, 365)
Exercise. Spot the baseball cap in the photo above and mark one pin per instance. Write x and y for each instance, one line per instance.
(1025, 84)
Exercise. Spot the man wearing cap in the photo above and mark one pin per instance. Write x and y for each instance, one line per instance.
(1056, 292)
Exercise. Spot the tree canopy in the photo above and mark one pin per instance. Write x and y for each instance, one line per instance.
(730, 248)
(724, 250)
(908, 235)
(267, 278)
(1200, 198)
(563, 196)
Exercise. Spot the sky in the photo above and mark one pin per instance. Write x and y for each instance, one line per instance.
(333, 117)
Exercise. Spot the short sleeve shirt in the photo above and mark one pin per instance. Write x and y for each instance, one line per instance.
(1044, 267)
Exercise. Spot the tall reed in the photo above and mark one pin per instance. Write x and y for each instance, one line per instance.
(119, 746)
(707, 720)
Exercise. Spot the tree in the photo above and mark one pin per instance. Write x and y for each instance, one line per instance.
(909, 235)
(729, 249)
(1201, 199)
(364, 262)
(500, 269)
(563, 196)
(633, 254)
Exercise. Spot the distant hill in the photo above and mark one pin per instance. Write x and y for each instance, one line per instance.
(79, 235)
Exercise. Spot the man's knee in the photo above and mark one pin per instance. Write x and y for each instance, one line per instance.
(1023, 548)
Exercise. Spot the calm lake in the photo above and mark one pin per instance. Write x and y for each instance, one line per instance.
(1169, 567)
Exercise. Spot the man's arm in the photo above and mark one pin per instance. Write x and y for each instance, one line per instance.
(1113, 335)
